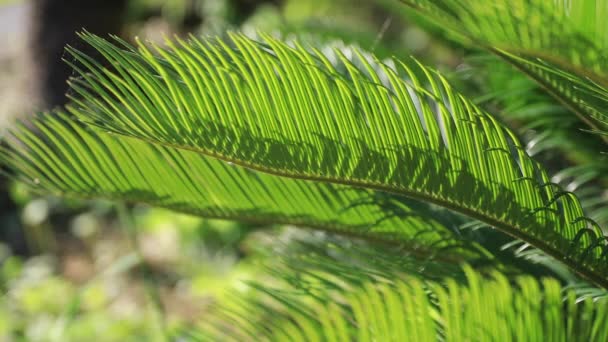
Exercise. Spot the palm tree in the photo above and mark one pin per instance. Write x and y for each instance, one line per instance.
(436, 222)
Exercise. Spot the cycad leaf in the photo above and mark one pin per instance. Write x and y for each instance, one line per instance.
(337, 117)
(305, 272)
(410, 309)
(551, 132)
(560, 44)
(67, 158)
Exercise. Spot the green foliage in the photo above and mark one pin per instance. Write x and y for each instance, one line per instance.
(395, 300)
(560, 44)
(482, 310)
(391, 126)
(551, 134)
(367, 153)
(78, 161)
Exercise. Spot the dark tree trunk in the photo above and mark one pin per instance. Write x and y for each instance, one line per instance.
(243, 9)
(10, 227)
(54, 25)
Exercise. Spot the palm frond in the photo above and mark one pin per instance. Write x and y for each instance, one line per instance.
(307, 308)
(545, 125)
(551, 134)
(590, 183)
(67, 158)
(557, 43)
(340, 117)
(306, 269)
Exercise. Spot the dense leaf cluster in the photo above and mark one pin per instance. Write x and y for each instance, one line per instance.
(336, 140)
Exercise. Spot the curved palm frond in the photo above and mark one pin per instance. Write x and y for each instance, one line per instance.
(339, 117)
(528, 107)
(590, 183)
(67, 158)
(411, 309)
(551, 133)
(560, 44)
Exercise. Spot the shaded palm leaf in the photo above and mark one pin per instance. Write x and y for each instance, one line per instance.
(560, 44)
(312, 308)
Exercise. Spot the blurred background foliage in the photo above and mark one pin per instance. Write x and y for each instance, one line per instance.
(72, 269)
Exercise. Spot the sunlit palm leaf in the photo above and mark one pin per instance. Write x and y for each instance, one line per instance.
(551, 132)
(340, 117)
(66, 158)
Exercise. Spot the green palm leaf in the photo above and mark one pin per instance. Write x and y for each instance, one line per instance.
(66, 158)
(560, 44)
(340, 117)
(408, 308)
(551, 132)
